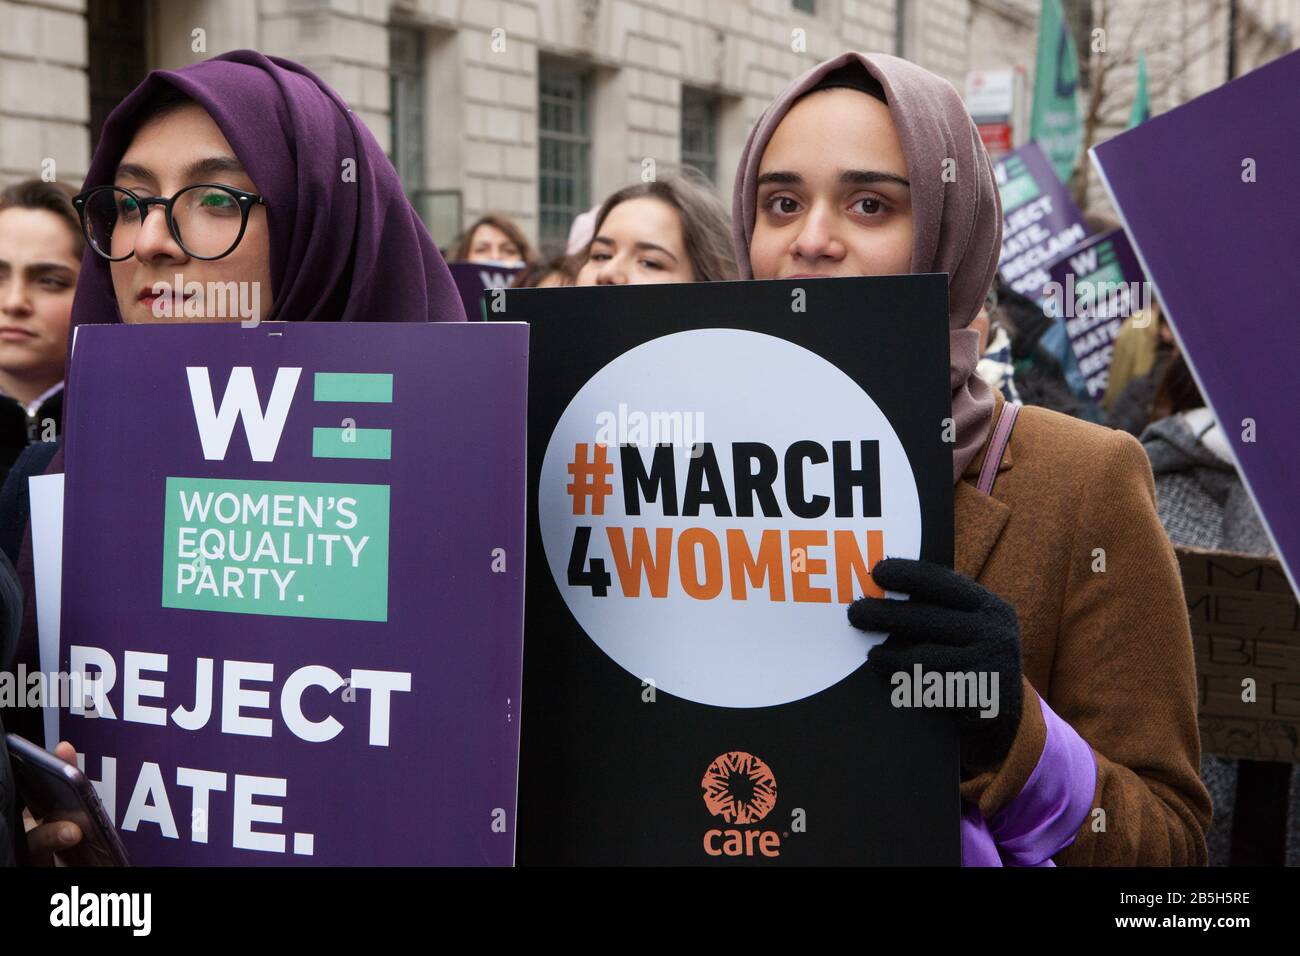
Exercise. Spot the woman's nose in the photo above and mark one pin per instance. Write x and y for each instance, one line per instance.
(154, 241)
(14, 300)
(816, 239)
(612, 273)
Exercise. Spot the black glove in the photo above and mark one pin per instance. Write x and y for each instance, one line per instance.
(950, 623)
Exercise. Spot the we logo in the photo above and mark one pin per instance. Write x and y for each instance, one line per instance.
(1085, 263)
(263, 427)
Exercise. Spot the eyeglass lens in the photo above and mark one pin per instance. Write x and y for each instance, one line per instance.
(207, 221)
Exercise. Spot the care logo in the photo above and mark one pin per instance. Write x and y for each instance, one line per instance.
(721, 569)
(741, 789)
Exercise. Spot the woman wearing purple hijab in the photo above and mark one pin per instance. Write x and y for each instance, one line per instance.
(267, 180)
(328, 233)
(1065, 588)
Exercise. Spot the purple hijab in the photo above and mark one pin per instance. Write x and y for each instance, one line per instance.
(957, 226)
(351, 251)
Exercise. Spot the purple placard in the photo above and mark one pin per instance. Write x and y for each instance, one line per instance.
(1210, 199)
(378, 470)
(1096, 286)
(473, 277)
(1039, 219)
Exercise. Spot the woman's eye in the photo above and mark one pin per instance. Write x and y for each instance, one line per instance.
(871, 207)
(783, 205)
(651, 264)
(216, 202)
(599, 256)
(55, 284)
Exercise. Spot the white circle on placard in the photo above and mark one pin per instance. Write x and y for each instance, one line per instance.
(726, 386)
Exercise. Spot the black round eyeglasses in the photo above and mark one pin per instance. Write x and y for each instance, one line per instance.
(207, 220)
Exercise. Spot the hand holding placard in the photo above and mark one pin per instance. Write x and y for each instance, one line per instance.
(951, 627)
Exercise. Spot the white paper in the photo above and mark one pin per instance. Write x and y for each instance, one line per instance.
(47, 561)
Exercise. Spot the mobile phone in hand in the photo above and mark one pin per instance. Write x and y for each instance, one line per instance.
(57, 791)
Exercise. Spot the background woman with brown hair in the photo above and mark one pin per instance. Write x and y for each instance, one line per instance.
(494, 238)
(669, 230)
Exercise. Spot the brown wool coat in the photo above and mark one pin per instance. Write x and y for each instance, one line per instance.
(1109, 651)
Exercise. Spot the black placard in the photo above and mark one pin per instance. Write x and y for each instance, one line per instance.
(608, 777)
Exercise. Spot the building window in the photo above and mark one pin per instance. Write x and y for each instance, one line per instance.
(807, 6)
(406, 106)
(116, 62)
(700, 132)
(564, 142)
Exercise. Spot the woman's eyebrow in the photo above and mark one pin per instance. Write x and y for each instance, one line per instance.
(134, 171)
(202, 168)
(653, 248)
(213, 165)
(37, 269)
(44, 268)
(779, 176)
(869, 177)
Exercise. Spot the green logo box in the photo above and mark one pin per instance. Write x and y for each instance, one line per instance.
(287, 548)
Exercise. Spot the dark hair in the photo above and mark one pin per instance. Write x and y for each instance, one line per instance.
(506, 225)
(167, 99)
(51, 197)
(533, 275)
(851, 76)
(1177, 391)
(706, 225)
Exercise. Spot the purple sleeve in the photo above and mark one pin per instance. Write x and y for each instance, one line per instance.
(1044, 817)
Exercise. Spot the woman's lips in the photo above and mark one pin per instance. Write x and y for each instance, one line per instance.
(148, 298)
(14, 334)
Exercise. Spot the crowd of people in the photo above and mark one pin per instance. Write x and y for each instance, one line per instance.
(1098, 682)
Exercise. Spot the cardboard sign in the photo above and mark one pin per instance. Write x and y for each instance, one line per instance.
(472, 278)
(1094, 287)
(713, 470)
(294, 556)
(1247, 136)
(1246, 633)
(1039, 219)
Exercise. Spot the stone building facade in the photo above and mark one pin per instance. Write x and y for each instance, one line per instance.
(539, 108)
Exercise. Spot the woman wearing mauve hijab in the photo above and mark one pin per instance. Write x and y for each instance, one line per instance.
(1065, 586)
(265, 179)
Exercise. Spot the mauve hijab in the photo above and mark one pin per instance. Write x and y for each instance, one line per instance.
(351, 251)
(956, 226)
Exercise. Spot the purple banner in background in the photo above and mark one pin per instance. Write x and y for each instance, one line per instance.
(1209, 195)
(473, 277)
(1095, 287)
(1039, 219)
(295, 556)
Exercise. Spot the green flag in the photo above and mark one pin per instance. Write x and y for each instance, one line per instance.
(1054, 121)
(1141, 103)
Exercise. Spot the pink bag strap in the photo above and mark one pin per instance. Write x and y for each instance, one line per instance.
(997, 446)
